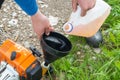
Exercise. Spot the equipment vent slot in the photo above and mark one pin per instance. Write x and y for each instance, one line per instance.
(6, 77)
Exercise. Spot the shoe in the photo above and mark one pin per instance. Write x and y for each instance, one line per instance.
(95, 40)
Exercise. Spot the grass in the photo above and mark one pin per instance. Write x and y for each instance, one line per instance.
(84, 64)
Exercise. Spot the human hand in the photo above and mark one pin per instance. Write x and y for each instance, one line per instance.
(84, 4)
(41, 24)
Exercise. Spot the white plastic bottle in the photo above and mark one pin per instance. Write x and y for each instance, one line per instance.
(89, 24)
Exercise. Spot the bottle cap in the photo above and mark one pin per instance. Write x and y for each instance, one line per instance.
(68, 27)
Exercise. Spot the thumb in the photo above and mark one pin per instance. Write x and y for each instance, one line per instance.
(74, 5)
(83, 12)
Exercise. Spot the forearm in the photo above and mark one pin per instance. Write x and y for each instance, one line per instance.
(29, 6)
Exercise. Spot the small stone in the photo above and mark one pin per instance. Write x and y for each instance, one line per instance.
(8, 25)
(34, 39)
(19, 11)
(26, 44)
(41, 2)
(4, 19)
(7, 7)
(1, 25)
(94, 58)
(97, 50)
(44, 6)
(53, 20)
(18, 7)
(30, 35)
(78, 53)
(67, 35)
(5, 10)
(87, 47)
(29, 25)
(13, 22)
(14, 14)
(23, 13)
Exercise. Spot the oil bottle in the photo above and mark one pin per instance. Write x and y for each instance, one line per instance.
(89, 24)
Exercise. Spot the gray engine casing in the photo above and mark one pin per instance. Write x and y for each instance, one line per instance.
(7, 72)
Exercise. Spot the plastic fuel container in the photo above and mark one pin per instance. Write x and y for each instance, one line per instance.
(89, 24)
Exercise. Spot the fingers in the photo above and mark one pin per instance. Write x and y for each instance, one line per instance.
(74, 5)
(48, 30)
(41, 24)
(83, 4)
(86, 5)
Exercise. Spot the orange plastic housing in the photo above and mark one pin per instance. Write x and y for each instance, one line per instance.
(23, 59)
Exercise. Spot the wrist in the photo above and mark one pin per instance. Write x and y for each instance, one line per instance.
(37, 14)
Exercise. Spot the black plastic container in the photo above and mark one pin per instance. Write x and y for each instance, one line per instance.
(95, 40)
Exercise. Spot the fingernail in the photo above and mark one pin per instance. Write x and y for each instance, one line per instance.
(47, 34)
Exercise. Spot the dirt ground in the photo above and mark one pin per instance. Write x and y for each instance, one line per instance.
(16, 25)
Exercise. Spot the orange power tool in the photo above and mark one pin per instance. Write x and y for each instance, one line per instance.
(19, 63)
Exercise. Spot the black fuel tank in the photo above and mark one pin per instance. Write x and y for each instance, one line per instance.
(34, 71)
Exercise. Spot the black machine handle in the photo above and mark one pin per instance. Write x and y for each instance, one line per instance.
(13, 55)
(35, 51)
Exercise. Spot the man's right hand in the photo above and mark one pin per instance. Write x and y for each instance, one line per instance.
(41, 24)
(84, 4)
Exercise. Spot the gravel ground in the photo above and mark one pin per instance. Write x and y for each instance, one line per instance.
(16, 25)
